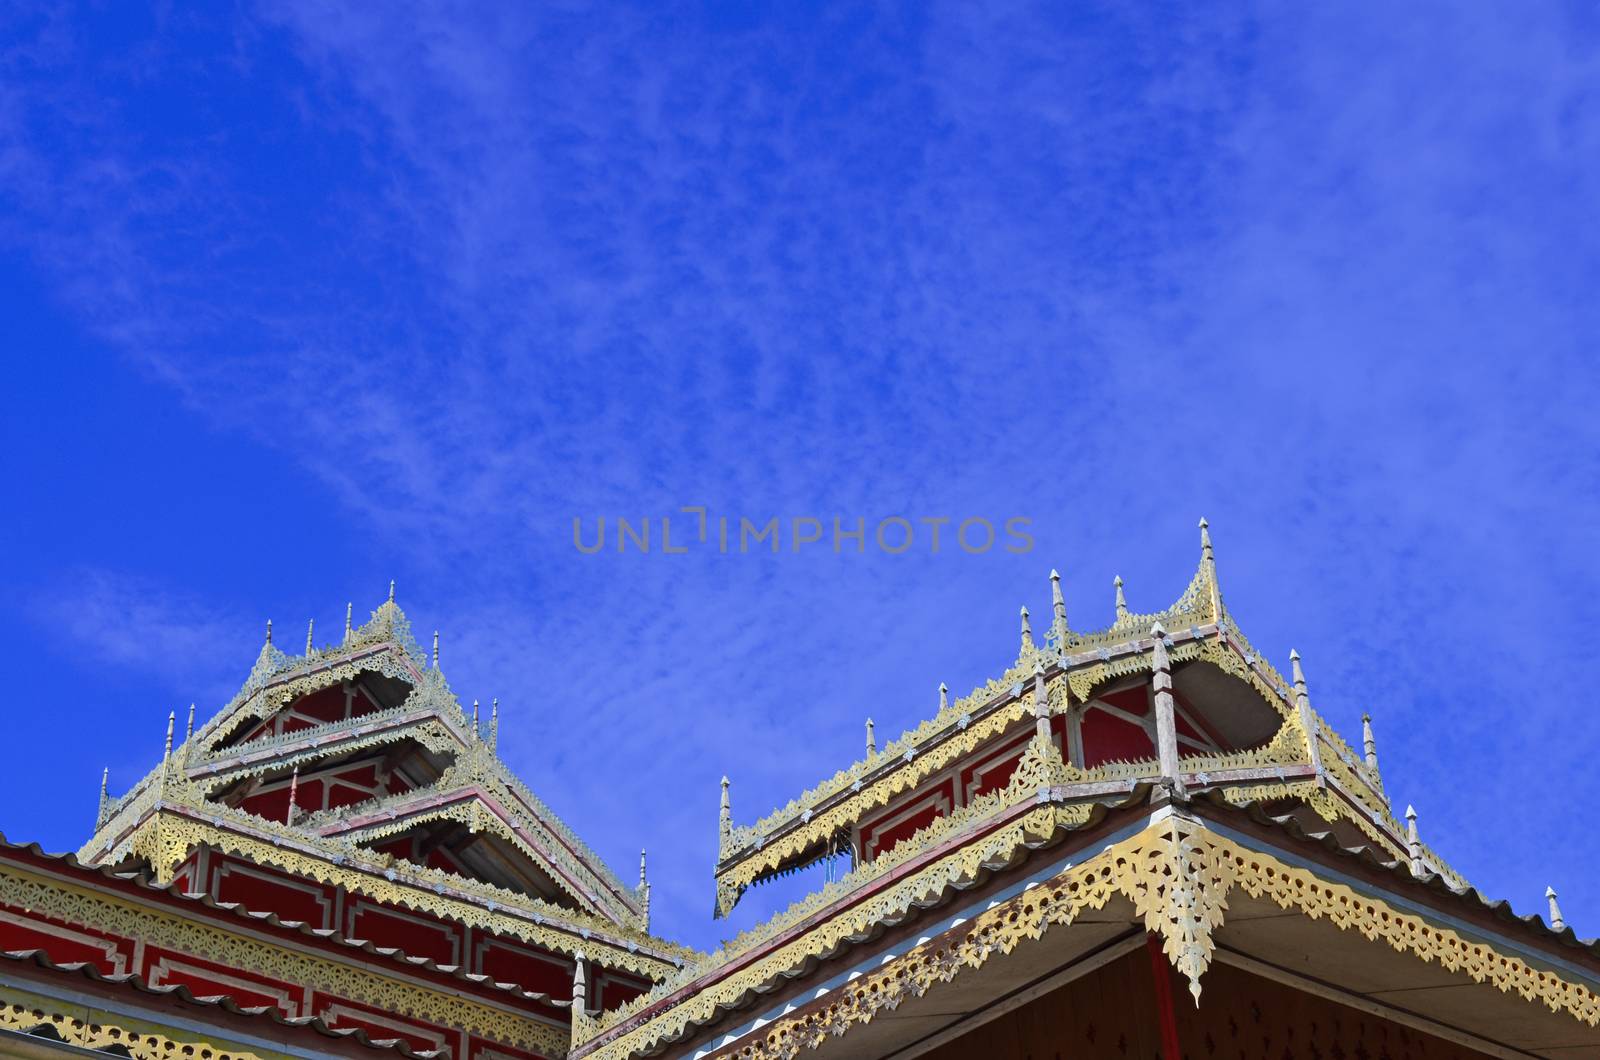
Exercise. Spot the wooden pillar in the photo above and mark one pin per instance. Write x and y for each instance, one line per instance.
(1166, 710)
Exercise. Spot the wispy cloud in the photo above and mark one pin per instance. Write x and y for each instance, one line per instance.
(139, 624)
(1324, 281)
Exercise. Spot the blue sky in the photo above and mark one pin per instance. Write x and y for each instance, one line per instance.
(298, 298)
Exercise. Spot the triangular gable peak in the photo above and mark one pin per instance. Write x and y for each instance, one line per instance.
(1177, 697)
(359, 753)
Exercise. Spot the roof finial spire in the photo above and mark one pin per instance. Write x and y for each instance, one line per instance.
(105, 781)
(475, 730)
(1122, 599)
(872, 740)
(1412, 841)
(172, 719)
(725, 815)
(1368, 745)
(269, 631)
(311, 627)
(1058, 603)
(294, 792)
(644, 894)
(391, 590)
(1309, 723)
(1208, 571)
(944, 696)
(349, 612)
(189, 732)
(105, 799)
(1556, 921)
(494, 724)
(435, 649)
(1027, 630)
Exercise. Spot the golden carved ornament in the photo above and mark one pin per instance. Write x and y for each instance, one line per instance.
(166, 840)
(363, 983)
(26, 1013)
(1040, 770)
(1178, 874)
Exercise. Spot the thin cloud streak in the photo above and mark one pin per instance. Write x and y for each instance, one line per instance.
(1315, 281)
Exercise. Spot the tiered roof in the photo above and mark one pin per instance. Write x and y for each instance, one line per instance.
(1304, 759)
(179, 805)
(1162, 842)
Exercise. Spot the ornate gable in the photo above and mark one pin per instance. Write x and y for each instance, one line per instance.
(356, 764)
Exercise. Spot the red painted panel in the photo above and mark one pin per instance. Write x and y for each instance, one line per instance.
(400, 848)
(326, 705)
(438, 859)
(1135, 700)
(42, 936)
(1106, 738)
(540, 973)
(380, 1024)
(993, 767)
(265, 891)
(210, 979)
(614, 992)
(381, 927)
(881, 842)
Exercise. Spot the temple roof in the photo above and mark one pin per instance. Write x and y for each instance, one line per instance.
(47, 1027)
(1197, 872)
(1305, 757)
(461, 783)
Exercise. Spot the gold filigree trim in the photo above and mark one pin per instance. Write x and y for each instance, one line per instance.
(166, 840)
(1040, 771)
(27, 1013)
(156, 927)
(1178, 874)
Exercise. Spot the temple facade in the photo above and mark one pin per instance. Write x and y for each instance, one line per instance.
(1142, 841)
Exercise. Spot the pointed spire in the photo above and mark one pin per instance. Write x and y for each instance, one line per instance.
(476, 731)
(435, 649)
(1208, 574)
(105, 781)
(105, 799)
(494, 724)
(1309, 723)
(1058, 604)
(725, 815)
(311, 627)
(189, 732)
(172, 719)
(1414, 843)
(944, 696)
(643, 883)
(1027, 631)
(269, 631)
(294, 792)
(1122, 600)
(349, 612)
(1556, 921)
(391, 590)
(1368, 745)
(872, 740)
